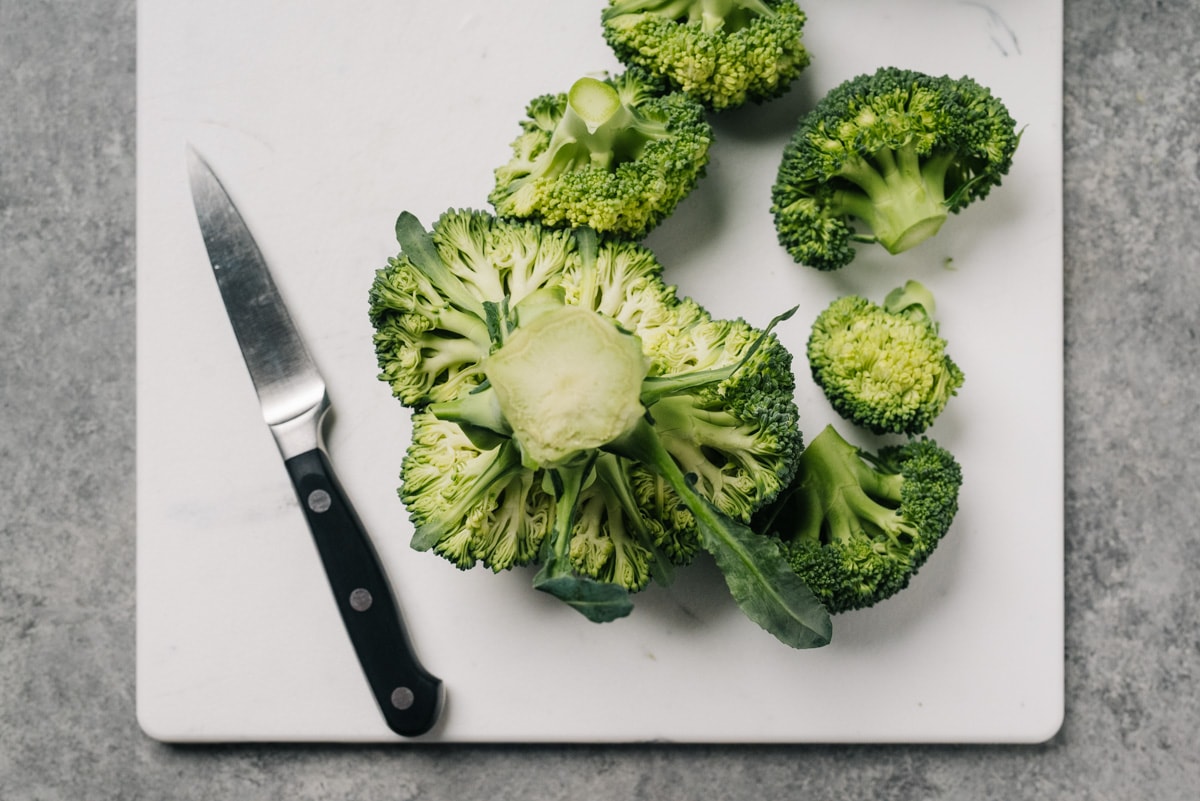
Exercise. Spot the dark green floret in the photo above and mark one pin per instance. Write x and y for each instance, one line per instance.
(614, 154)
(722, 52)
(856, 526)
(885, 158)
(884, 367)
(571, 411)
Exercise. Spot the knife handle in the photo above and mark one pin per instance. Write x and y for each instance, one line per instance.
(408, 696)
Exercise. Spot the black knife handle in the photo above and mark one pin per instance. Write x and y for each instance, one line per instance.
(408, 695)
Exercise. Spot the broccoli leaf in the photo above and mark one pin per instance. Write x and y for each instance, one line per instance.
(756, 572)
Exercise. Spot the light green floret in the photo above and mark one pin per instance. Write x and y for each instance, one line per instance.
(722, 52)
(613, 154)
(608, 430)
(857, 526)
(884, 367)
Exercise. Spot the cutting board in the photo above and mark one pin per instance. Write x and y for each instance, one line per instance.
(325, 120)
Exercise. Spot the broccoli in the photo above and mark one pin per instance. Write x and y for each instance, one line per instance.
(571, 411)
(896, 150)
(614, 154)
(722, 52)
(857, 526)
(884, 367)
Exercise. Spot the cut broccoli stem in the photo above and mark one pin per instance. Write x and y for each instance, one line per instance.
(599, 602)
(598, 128)
(713, 15)
(902, 196)
(756, 572)
(913, 300)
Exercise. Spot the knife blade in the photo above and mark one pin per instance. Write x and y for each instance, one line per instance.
(294, 403)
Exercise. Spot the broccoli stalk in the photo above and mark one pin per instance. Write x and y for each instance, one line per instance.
(899, 195)
(857, 526)
(597, 128)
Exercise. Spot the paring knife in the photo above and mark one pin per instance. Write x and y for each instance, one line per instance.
(294, 403)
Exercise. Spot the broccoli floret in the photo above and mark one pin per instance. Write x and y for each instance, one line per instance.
(722, 52)
(857, 526)
(884, 367)
(592, 421)
(895, 150)
(614, 154)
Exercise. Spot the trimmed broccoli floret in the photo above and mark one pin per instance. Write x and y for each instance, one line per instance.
(856, 526)
(884, 367)
(592, 421)
(615, 154)
(896, 151)
(722, 52)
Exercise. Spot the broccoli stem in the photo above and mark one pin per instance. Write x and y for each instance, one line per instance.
(597, 128)
(713, 16)
(688, 430)
(599, 602)
(902, 195)
(844, 497)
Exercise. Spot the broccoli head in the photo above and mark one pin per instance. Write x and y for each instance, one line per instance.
(884, 367)
(571, 411)
(857, 526)
(722, 52)
(896, 151)
(615, 155)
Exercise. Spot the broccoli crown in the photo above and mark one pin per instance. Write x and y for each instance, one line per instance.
(896, 150)
(722, 52)
(857, 526)
(616, 155)
(500, 333)
(883, 367)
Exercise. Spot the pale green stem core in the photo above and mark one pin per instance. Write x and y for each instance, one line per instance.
(597, 128)
(713, 16)
(567, 383)
(903, 200)
(837, 485)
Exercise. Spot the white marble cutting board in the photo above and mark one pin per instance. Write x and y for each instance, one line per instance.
(325, 120)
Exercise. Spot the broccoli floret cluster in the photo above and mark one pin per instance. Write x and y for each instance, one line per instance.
(722, 52)
(884, 367)
(616, 154)
(571, 410)
(896, 151)
(857, 526)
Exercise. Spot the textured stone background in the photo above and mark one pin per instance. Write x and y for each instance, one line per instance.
(67, 725)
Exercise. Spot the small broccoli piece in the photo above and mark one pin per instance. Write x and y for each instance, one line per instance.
(856, 527)
(615, 155)
(884, 367)
(590, 420)
(896, 150)
(722, 52)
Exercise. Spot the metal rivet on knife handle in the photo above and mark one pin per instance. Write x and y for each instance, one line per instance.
(319, 501)
(402, 698)
(360, 600)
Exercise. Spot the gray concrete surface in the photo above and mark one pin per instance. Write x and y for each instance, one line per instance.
(67, 389)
